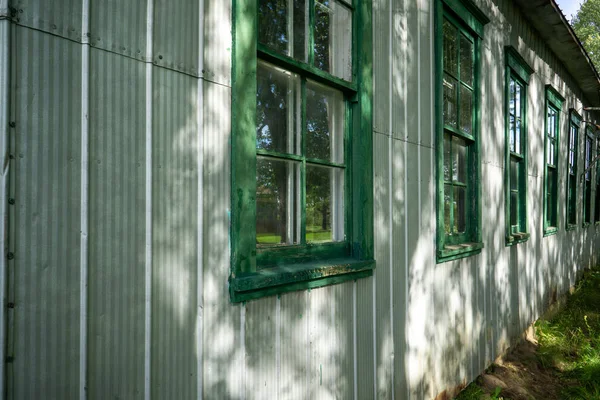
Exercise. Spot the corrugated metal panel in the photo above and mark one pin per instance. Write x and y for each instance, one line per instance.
(382, 73)
(223, 339)
(175, 147)
(45, 218)
(177, 35)
(293, 375)
(330, 347)
(384, 335)
(119, 26)
(217, 41)
(116, 227)
(4, 180)
(62, 18)
(263, 348)
(365, 357)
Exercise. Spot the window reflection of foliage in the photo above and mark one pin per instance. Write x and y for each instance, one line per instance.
(318, 191)
(321, 34)
(271, 131)
(273, 29)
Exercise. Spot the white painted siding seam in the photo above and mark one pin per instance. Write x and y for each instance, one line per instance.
(200, 207)
(355, 339)
(4, 117)
(390, 191)
(85, 77)
(148, 217)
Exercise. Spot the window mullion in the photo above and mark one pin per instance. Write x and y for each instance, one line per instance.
(302, 131)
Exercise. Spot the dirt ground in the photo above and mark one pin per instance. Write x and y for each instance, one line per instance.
(520, 375)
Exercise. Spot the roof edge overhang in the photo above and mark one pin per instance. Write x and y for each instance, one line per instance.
(554, 28)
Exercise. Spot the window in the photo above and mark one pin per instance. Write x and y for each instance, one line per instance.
(587, 180)
(460, 29)
(301, 145)
(553, 105)
(597, 205)
(574, 124)
(515, 174)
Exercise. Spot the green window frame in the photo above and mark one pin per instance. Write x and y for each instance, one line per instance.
(553, 104)
(587, 178)
(518, 73)
(308, 65)
(572, 153)
(597, 195)
(459, 31)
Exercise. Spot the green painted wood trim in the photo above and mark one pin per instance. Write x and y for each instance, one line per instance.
(314, 265)
(307, 70)
(243, 137)
(281, 255)
(575, 117)
(315, 282)
(458, 251)
(512, 239)
(293, 273)
(451, 249)
(555, 100)
(574, 120)
(470, 14)
(518, 64)
(517, 238)
(554, 97)
(362, 139)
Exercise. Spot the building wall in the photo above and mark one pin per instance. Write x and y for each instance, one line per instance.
(119, 168)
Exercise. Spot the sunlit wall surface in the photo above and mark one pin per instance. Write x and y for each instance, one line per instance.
(115, 183)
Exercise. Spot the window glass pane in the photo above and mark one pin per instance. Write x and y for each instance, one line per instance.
(459, 210)
(518, 89)
(282, 26)
(450, 48)
(551, 197)
(277, 109)
(551, 122)
(588, 157)
(511, 97)
(333, 38)
(324, 204)
(450, 100)
(514, 174)
(447, 209)
(511, 132)
(273, 24)
(517, 136)
(447, 157)
(324, 123)
(514, 199)
(459, 160)
(277, 201)
(466, 60)
(466, 109)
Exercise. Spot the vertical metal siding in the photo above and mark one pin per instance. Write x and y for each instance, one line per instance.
(61, 18)
(116, 227)
(119, 26)
(176, 35)
(4, 179)
(45, 217)
(224, 352)
(217, 41)
(175, 144)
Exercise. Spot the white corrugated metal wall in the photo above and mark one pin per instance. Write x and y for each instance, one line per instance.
(119, 230)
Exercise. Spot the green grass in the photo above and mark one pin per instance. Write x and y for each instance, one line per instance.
(313, 234)
(569, 344)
